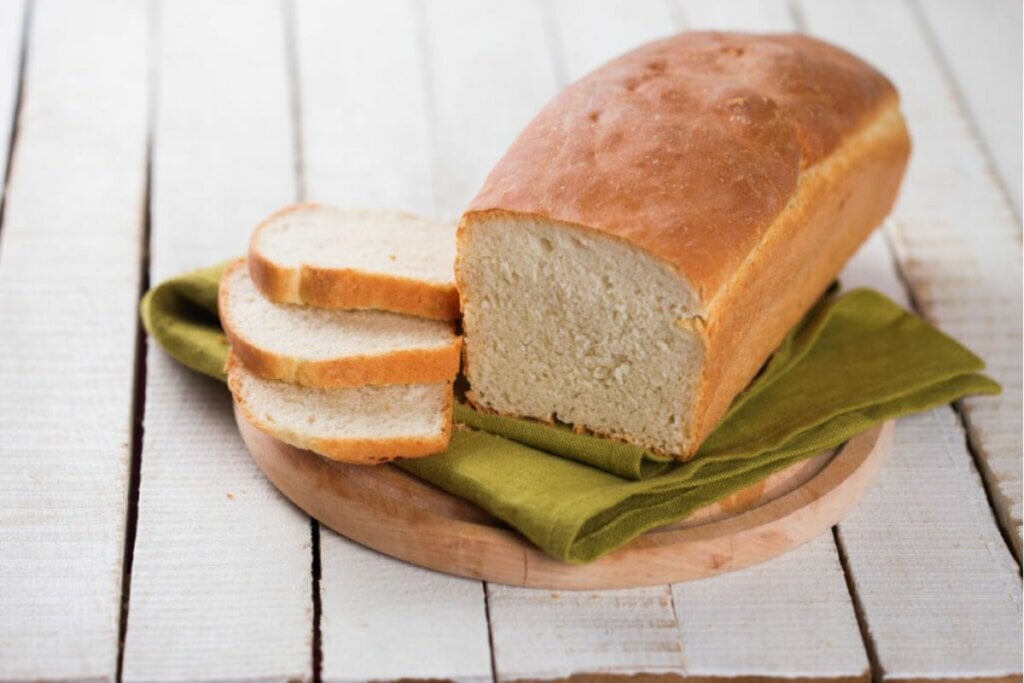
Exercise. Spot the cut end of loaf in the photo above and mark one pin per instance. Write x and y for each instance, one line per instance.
(356, 259)
(363, 425)
(565, 324)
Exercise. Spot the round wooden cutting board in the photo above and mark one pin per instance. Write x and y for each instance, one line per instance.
(395, 513)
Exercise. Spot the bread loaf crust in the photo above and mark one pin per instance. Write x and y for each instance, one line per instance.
(752, 165)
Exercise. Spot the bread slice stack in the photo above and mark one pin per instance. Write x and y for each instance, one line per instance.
(342, 334)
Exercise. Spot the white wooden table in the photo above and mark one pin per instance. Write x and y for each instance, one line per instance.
(139, 542)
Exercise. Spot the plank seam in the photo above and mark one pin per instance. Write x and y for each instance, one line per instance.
(317, 571)
(986, 475)
(291, 59)
(490, 630)
(26, 25)
(135, 465)
(140, 372)
(932, 41)
(858, 609)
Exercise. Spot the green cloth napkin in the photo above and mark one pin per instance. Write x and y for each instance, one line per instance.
(854, 361)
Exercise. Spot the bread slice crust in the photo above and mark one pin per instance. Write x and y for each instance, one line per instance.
(357, 450)
(350, 288)
(405, 366)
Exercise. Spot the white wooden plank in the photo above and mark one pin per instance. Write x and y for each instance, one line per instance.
(366, 140)
(957, 240)
(981, 44)
(69, 279)
(788, 618)
(492, 72)
(221, 581)
(737, 15)
(540, 635)
(385, 620)
(12, 15)
(221, 575)
(366, 129)
(592, 33)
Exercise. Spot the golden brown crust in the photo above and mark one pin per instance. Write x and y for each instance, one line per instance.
(357, 451)
(412, 366)
(347, 287)
(838, 205)
(753, 165)
(688, 147)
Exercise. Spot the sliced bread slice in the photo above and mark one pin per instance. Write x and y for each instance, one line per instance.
(333, 258)
(318, 347)
(362, 425)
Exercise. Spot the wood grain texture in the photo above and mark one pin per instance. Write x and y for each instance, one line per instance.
(544, 635)
(12, 19)
(221, 583)
(69, 279)
(366, 142)
(940, 591)
(386, 620)
(981, 45)
(789, 618)
(366, 130)
(957, 240)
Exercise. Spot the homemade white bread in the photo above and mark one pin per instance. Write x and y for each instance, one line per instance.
(332, 348)
(387, 260)
(363, 425)
(653, 234)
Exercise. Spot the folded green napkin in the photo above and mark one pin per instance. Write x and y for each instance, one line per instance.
(854, 361)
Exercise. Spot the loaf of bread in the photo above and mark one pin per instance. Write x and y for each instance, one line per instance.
(649, 239)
